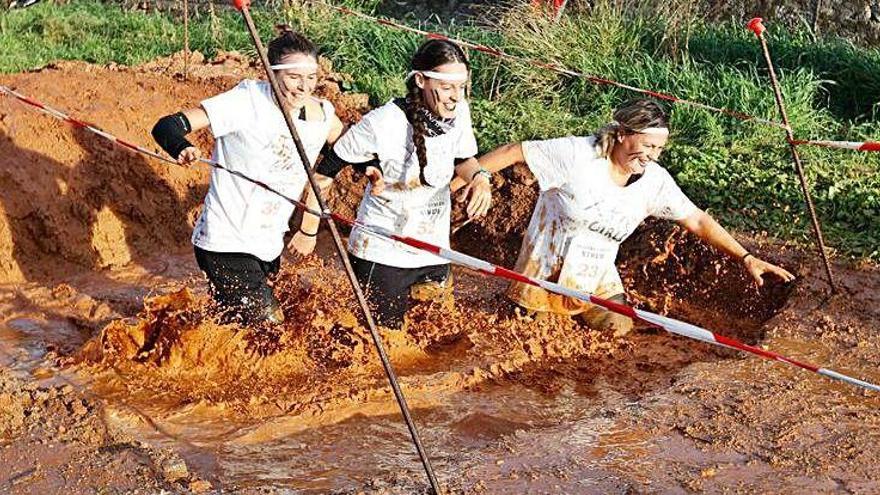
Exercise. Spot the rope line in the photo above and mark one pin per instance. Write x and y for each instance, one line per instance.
(555, 67)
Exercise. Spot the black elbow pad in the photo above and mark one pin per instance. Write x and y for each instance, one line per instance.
(169, 133)
(332, 164)
(362, 166)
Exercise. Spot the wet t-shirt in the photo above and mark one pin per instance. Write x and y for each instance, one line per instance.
(406, 206)
(252, 138)
(581, 218)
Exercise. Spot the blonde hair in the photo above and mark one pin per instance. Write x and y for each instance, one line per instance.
(630, 118)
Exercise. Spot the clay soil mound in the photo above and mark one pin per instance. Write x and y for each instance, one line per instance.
(71, 200)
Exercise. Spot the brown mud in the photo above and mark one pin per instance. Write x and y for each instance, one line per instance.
(116, 373)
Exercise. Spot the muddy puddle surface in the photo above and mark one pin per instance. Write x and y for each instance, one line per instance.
(504, 404)
(115, 373)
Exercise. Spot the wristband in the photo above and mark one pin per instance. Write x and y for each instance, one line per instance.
(482, 171)
(743, 258)
(307, 234)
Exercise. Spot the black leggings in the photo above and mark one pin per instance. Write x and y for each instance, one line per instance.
(388, 287)
(239, 285)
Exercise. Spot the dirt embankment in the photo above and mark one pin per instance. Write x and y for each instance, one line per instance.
(73, 200)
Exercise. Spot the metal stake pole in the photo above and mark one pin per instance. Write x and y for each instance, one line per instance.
(756, 26)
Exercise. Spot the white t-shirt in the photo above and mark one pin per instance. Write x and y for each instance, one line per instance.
(582, 216)
(405, 206)
(252, 139)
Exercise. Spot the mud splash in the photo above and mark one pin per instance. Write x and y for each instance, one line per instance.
(309, 398)
(505, 403)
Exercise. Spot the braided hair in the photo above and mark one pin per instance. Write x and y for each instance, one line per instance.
(431, 54)
(630, 118)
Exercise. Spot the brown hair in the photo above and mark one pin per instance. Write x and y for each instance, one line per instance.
(430, 54)
(289, 42)
(630, 118)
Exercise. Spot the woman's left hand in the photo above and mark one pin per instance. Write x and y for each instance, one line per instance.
(302, 244)
(758, 267)
(479, 192)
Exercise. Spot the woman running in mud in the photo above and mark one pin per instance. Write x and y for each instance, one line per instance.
(239, 236)
(409, 148)
(595, 191)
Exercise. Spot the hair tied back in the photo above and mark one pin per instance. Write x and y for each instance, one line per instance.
(282, 29)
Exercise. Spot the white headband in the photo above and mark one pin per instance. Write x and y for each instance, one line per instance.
(657, 131)
(298, 65)
(440, 76)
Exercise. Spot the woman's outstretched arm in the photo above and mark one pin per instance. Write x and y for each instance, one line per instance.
(706, 228)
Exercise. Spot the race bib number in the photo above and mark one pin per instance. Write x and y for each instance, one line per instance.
(586, 262)
(429, 218)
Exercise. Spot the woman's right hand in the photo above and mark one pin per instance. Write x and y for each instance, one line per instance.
(189, 155)
(302, 244)
(758, 267)
(479, 192)
(374, 175)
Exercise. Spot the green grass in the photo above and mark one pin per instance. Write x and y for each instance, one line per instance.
(742, 172)
(102, 33)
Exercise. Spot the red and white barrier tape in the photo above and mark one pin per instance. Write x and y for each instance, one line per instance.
(669, 324)
(555, 67)
(864, 146)
(845, 145)
(80, 124)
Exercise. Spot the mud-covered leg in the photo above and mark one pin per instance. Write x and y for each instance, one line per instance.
(601, 319)
(435, 285)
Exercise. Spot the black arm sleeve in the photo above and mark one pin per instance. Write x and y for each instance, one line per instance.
(169, 133)
(332, 164)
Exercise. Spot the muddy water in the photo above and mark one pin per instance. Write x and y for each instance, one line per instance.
(512, 437)
(504, 404)
(363, 444)
(366, 447)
